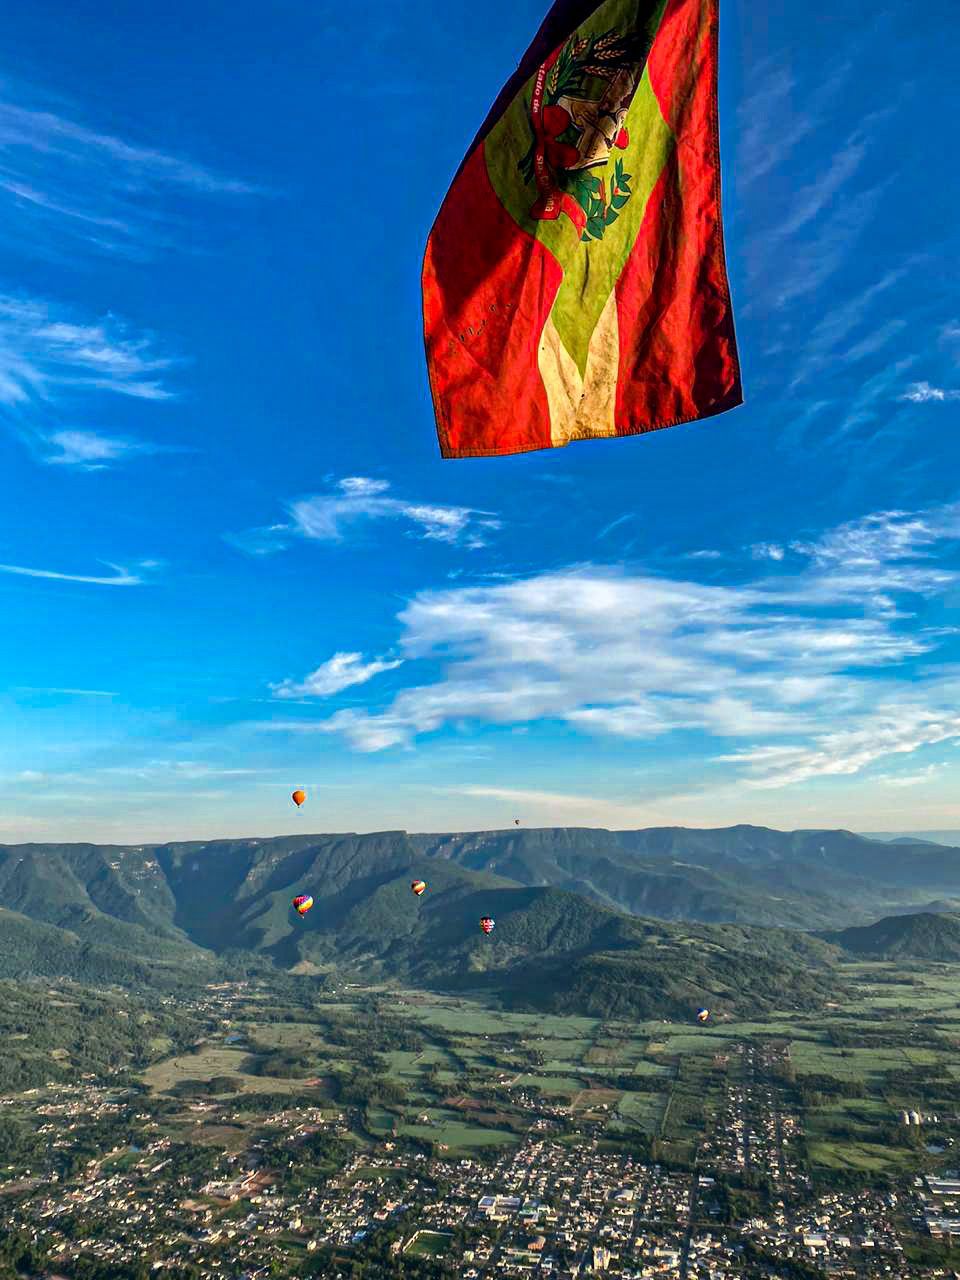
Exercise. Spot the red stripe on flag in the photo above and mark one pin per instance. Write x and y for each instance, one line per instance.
(678, 355)
(486, 369)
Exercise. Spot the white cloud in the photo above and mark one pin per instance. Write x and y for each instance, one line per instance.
(339, 672)
(91, 451)
(767, 551)
(637, 656)
(363, 486)
(121, 577)
(358, 500)
(924, 393)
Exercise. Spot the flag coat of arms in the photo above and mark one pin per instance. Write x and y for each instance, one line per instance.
(574, 284)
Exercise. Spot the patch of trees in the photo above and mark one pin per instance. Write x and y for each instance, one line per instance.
(788, 1268)
(207, 1088)
(97, 1033)
(266, 1102)
(364, 1089)
(19, 1255)
(814, 1090)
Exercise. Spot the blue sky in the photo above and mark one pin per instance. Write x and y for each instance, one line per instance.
(232, 562)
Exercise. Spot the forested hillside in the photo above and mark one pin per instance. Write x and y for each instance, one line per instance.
(636, 922)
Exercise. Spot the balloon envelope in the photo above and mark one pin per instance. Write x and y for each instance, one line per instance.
(298, 798)
(302, 903)
(703, 1015)
(418, 887)
(487, 924)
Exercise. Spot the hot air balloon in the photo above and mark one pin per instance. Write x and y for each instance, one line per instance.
(516, 822)
(298, 797)
(302, 903)
(487, 924)
(419, 886)
(703, 1015)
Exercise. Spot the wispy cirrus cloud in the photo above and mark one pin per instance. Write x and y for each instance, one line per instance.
(771, 126)
(46, 352)
(824, 190)
(121, 577)
(788, 664)
(74, 693)
(342, 671)
(807, 228)
(882, 542)
(358, 501)
(579, 807)
(91, 451)
(67, 185)
(919, 779)
(896, 728)
(53, 360)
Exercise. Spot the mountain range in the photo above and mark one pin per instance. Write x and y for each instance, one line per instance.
(924, 936)
(911, 837)
(617, 923)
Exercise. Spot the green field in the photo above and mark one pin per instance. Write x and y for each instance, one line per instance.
(642, 1109)
(210, 1061)
(856, 1063)
(861, 1156)
(428, 1244)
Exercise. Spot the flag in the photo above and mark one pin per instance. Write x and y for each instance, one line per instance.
(574, 284)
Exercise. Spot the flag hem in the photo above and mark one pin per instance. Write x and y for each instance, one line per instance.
(733, 401)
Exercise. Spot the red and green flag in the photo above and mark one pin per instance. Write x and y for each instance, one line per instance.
(574, 284)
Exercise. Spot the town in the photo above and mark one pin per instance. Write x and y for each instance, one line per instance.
(303, 1199)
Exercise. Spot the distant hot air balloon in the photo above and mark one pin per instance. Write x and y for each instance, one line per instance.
(703, 1015)
(516, 822)
(419, 886)
(298, 798)
(302, 903)
(487, 924)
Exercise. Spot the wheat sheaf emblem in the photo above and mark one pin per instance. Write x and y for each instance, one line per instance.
(578, 121)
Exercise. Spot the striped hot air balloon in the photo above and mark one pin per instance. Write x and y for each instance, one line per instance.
(302, 903)
(419, 887)
(487, 924)
(298, 797)
(703, 1015)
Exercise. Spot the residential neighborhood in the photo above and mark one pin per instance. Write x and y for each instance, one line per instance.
(551, 1207)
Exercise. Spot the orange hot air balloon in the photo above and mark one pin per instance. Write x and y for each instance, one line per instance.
(302, 903)
(419, 886)
(298, 798)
